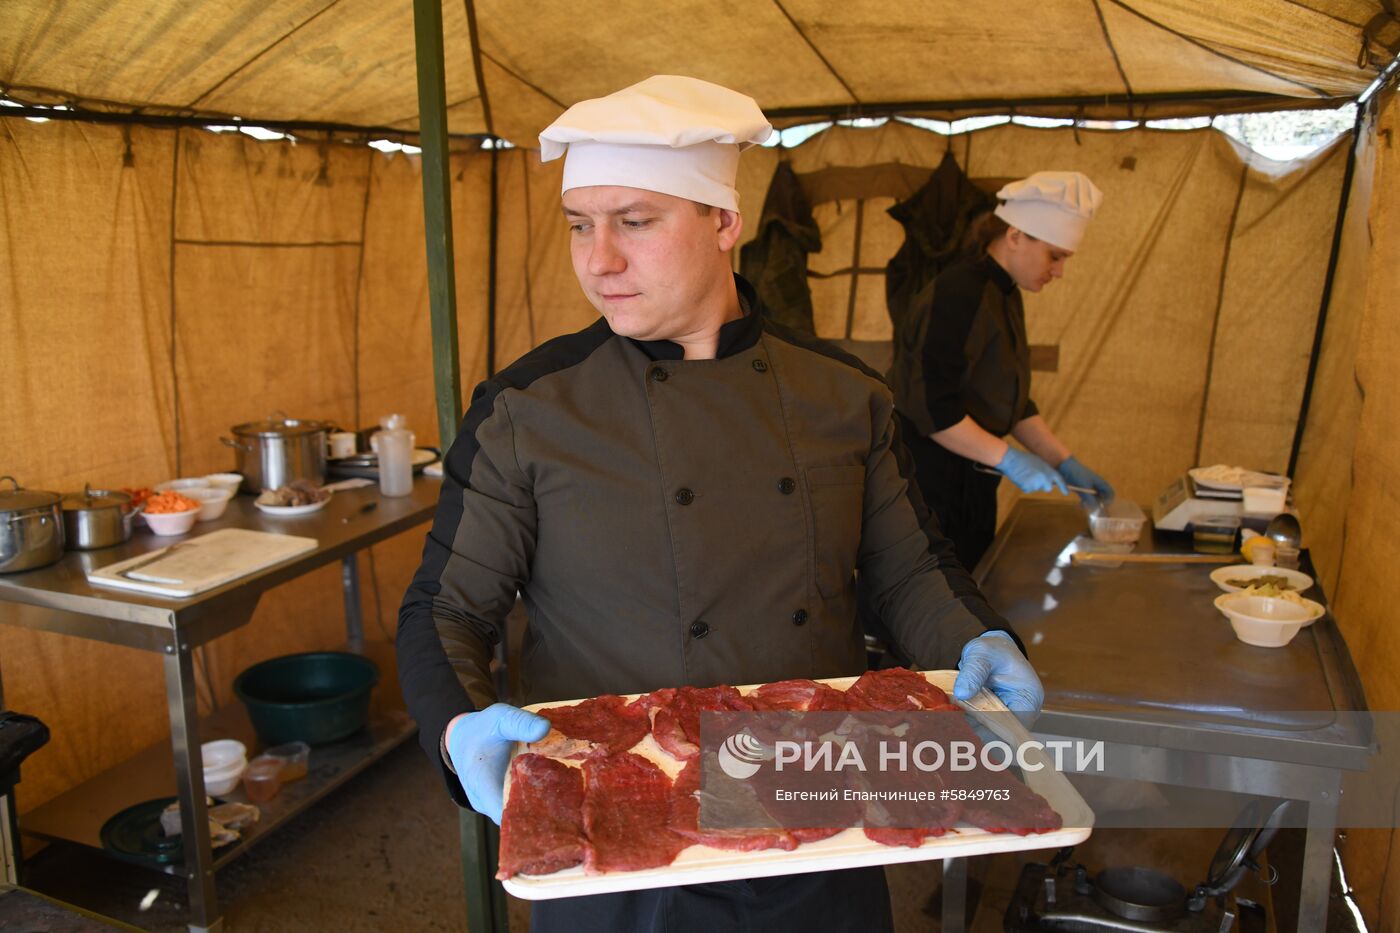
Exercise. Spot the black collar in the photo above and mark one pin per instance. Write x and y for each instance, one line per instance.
(734, 336)
(998, 275)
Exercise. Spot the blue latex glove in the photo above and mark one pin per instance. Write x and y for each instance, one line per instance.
(1077, 474)
(993, 661)
(479, 746)
(1029, 472)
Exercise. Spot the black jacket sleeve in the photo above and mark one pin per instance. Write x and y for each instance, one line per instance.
(475, 560)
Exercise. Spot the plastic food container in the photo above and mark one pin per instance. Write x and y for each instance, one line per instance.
(1261, 621)
(212, 500)
(224, 763)
(263, 779)
(171, 523)
(1266, 498)
(295, 758)
(1215, 534)
(1117, 522)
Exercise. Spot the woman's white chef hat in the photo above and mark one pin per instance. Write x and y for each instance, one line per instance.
(1051, 206)
(676, 135)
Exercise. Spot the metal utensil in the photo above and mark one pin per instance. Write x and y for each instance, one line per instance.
(1284, 529)
(1111, 557)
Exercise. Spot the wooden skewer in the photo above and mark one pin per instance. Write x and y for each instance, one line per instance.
(1108, 557)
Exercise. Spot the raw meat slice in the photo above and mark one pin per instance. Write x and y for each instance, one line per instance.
(675, 715)
(608, 720)
(815, 835)
(896, 689)
(799, 695)
(1024, 811)
(542, 828)
(685, 819)
(626, 806)
(889, 836)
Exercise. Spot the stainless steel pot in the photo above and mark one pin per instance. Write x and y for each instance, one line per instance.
(274, 452)
(31, 531)
(97, 518)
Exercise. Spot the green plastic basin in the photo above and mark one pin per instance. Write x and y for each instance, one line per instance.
(315, 697)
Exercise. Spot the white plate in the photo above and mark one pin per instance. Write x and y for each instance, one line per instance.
(699, 864)
(1297, 579)
(1247, 478)
(287, 510)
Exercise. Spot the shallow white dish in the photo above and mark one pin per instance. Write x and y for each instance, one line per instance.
(290, 510)
(185, 482)
(1221, 576)
(212, 500)
(1240, 478)
(1266, 622)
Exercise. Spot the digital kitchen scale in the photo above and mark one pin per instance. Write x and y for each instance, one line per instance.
(1186, 500)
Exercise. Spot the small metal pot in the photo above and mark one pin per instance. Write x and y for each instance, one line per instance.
(31, 531)
(97, 518)
(274, 452)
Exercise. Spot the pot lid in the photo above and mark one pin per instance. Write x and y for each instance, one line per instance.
(280, 427)
(91, 498)
(18, 499)
(1254, 829)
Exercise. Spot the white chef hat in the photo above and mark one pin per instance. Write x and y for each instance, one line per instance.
(1051, 206)
(676, 135)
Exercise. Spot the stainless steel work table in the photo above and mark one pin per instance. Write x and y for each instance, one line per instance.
(1136, 655)
(58, 598)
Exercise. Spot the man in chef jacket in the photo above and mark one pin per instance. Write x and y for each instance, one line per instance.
(681, 493)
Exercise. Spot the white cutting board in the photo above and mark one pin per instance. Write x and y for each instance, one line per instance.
(849, 848)
(198, 564)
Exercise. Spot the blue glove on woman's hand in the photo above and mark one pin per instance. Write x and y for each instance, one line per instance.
(993, 661)
(479, 746)
(1029, 472)
(1077, 474)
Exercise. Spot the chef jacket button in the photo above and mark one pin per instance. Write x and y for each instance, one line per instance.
(659, 374)
(699, 629)
(684, 496)
(787, 485)
(799, 617)
(759, 366)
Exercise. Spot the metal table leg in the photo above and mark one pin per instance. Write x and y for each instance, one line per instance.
(189, 780)
(954, 895)
(1315, 886)
(350, 588)
(486, 899)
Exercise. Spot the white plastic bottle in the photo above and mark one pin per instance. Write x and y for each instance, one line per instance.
(394, 445)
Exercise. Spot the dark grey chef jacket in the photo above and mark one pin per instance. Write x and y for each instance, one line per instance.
(673, 521)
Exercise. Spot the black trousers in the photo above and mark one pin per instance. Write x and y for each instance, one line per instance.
(855, 900)
(963, 498)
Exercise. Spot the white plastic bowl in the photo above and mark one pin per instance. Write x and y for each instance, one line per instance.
(171, 523)
(212, 501)
(224, 763)
(220, 754)
(229, 481)
(1262, 621)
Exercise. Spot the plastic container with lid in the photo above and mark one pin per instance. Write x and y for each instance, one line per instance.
(263, 779)
(1116, 522)
(393, 444)
(1215, 534)
(295, 758)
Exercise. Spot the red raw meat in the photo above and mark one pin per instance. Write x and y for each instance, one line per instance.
(799, 695)
(1023, 813)
(542, 827)
(609, 721)
(685, 820)
(888, 836)
(675, 715)
(815, 835)
(896, 688)
(626, 806)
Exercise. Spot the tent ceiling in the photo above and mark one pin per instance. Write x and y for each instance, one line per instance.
(351, 62)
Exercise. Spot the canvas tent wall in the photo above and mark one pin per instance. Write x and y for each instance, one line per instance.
(193, 280)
